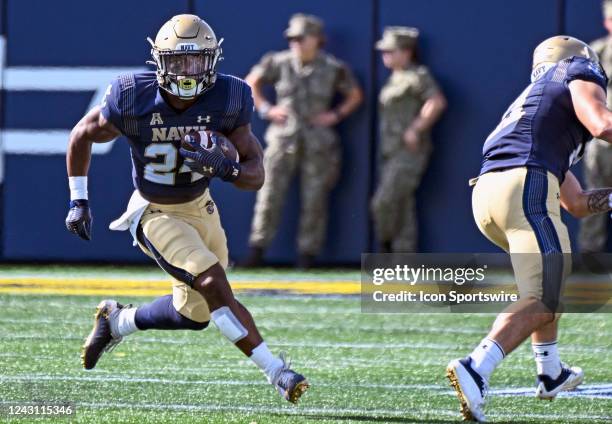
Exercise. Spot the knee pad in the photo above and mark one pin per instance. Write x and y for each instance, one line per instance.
(228, 324)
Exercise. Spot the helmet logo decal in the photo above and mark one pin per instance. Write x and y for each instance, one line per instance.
(187, 46)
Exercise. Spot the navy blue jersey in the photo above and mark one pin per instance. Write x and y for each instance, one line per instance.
(540, 128)
(134, 104)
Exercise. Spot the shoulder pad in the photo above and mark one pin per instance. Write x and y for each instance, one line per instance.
(582, 69)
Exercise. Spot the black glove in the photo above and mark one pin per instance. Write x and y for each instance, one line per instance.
(79, 219)
(210, 162)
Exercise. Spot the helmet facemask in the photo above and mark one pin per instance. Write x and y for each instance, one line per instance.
(188, 72)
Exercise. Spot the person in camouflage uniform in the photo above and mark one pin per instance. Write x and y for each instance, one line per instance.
(598, 153)
(300, 138)
(410, 102)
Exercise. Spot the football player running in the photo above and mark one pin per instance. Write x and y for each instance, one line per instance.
(524, 180)
(171, 214)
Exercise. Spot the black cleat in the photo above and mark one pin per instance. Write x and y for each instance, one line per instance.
(569, 379)
(101, 338)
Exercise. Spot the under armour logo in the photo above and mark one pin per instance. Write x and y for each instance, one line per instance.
(156, 119)
(208, 169)
(205, 119)
(538, 354)
(210, 207)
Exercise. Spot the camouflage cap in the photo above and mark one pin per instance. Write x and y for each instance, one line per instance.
(301, 24)
(607, 8)
(398, 37)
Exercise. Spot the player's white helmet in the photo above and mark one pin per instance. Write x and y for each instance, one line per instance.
(559, 47)
(186, 52)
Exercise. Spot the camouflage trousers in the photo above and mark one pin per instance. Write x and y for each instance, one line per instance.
(315, 158)
(598, 173)
(393, 205)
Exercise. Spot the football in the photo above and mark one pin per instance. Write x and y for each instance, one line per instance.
(205, 138)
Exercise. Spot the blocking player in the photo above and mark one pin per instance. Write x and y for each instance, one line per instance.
(171, 214)
(524, 180)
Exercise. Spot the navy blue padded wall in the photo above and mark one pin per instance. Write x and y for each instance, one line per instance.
(584, 20)
(480, 52)
(66, 33)
(2, 111)
(250, 30)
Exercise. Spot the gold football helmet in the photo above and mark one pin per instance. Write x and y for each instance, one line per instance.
(557, 48)
(186, 52)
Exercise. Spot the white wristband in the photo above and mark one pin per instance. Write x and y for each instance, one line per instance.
(78, 187)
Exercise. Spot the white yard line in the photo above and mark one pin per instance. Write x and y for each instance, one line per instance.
(270, 341)
(311, 345)
(294, 326)
(592, 391)
(386, 328)
(219, 382)
(246, 368)
(274, 307)
(581, 418)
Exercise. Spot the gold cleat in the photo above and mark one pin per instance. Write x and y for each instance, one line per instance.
(298, 391)
(465, 411)
(100, 339)
(470, 387)
(289, 383)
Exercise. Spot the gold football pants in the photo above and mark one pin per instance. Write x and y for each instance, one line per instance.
(185, 240)
(518, 209)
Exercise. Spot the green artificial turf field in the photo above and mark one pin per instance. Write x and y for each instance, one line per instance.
(364, 368)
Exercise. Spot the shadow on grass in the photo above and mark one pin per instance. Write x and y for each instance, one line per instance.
(370, 418)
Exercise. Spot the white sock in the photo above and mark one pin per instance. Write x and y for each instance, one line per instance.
(126, 323)
(268, 363)
(486, 357)
(547, 359)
